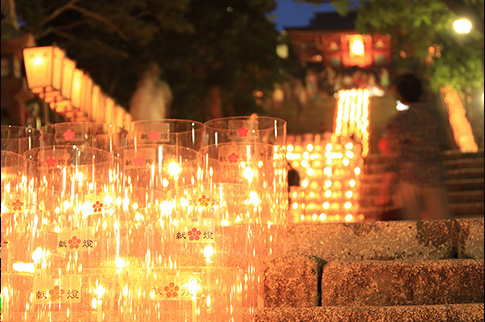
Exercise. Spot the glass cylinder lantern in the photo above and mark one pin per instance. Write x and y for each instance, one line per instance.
(245, 167)
(15, 220)
(185, 133)
(149, 172)
(19, 139)
(75, 248)
(97, 135)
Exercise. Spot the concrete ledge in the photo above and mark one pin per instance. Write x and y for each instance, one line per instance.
(470, 238)
(434, 313)
(382, 240)
(387, 283)
(292, 281)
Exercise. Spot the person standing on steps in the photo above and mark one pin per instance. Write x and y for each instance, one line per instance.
(152, 98)
(415, 141)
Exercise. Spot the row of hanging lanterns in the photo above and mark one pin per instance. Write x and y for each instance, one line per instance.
(68, 90)
(160, 220)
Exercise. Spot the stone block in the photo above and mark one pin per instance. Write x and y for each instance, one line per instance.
(435, 313)
(292, 281)
(387, 283)
(470, 237)
(381, 240)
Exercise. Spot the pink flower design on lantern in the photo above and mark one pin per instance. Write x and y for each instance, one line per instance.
(194, 234)
(139, 161)
(68, 135)
(171, 290)
(74, 242)
(204, 201)
(51, 162)
(56, 293)
(233, 157)
(243, 132)
(97, 206)
(17, 205)
(153, 135)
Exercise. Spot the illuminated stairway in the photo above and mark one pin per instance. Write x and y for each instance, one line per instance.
(464, 175)
(378, 271)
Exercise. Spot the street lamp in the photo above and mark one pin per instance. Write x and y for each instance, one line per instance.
(462, 26)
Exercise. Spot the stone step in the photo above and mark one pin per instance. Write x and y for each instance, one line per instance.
(388, 283)
(292, 281)
(457, 211)
(448, 156)
(476, 162)
(465, 184)
(466, 196)
(474, 184)
(456, 154)
(452, 174)
(377, 163)
(470, 312)
(469, 198)
(465, 209)
(305, 281)
(464, 173)
(387, 240)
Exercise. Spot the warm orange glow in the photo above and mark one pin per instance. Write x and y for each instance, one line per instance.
(95, 102)
(86, 94)
(42, 67)
(352, 117)
(460, 125)
(314, 201)
(335, 161)
(109, 112)
(357, 50)
(68, 67)
(357, 46)
(77, 86)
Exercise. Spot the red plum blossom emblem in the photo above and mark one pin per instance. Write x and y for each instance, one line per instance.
(243, 132)
(153, 135)
(194, 234)
(56, 293)
(204, 201)
(97, 206)
(68, 135)
(17, 205)
(171, 290)
(74, 242)
(233, 157)
(51, 162)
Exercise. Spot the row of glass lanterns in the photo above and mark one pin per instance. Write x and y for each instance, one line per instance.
(161, 220)
(67, 89)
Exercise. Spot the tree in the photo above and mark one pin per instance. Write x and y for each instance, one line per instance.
(199, 44)
(423, 38)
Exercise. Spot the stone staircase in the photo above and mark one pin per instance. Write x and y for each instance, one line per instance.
(464, 176)
(378, 271)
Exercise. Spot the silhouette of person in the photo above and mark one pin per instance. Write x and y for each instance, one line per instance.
(152, 98)
(415, 140)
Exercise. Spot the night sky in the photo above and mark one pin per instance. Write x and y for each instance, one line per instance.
(292, 14)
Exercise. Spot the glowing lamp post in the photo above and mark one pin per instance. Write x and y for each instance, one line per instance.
(462, 26)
